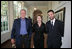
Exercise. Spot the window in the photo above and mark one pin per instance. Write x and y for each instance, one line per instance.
(17, 8)
(4, 16)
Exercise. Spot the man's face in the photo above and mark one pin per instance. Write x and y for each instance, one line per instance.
(51, 15)
(23, 14)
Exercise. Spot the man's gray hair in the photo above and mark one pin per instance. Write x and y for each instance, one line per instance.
(22, 10)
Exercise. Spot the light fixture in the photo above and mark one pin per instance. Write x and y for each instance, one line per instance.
(35, 8)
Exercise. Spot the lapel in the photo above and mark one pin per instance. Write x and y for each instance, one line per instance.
(49, 25)
(55, 24)
(19, 24)
(26, 23)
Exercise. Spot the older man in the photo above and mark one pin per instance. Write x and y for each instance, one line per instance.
(21, 31)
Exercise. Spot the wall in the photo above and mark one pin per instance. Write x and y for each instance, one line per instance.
(7, 34)
(44, 10)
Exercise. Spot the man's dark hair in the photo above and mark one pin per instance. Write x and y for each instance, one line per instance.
(50, 11)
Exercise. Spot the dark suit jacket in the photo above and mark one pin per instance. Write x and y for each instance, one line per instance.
(55, 34)
(16, 29)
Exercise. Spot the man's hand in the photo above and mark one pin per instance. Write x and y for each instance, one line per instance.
(12, 41)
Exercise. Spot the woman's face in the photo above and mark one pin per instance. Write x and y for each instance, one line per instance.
(39, 19)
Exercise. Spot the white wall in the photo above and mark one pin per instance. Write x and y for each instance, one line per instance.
(67, 29)
(5, 37)
(67, 35)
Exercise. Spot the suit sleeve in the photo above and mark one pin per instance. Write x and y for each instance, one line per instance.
(47, 28)
(13, 30)
(30, 29)
(33, 28)
(62, 28)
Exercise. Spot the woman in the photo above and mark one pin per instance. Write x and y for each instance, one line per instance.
(39, 30)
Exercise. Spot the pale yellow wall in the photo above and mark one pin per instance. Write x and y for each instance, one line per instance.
(44, 10)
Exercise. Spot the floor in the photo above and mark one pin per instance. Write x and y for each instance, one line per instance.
(7, 44)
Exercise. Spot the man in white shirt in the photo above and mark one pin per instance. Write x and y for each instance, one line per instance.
(55, 30)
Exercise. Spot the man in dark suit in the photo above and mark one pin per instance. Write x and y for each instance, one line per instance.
(55, 30)
(21, 31)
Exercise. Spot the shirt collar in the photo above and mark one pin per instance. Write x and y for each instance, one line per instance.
(22, 19)
(53, 20)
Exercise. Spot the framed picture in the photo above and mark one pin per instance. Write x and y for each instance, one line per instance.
(60, 14)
